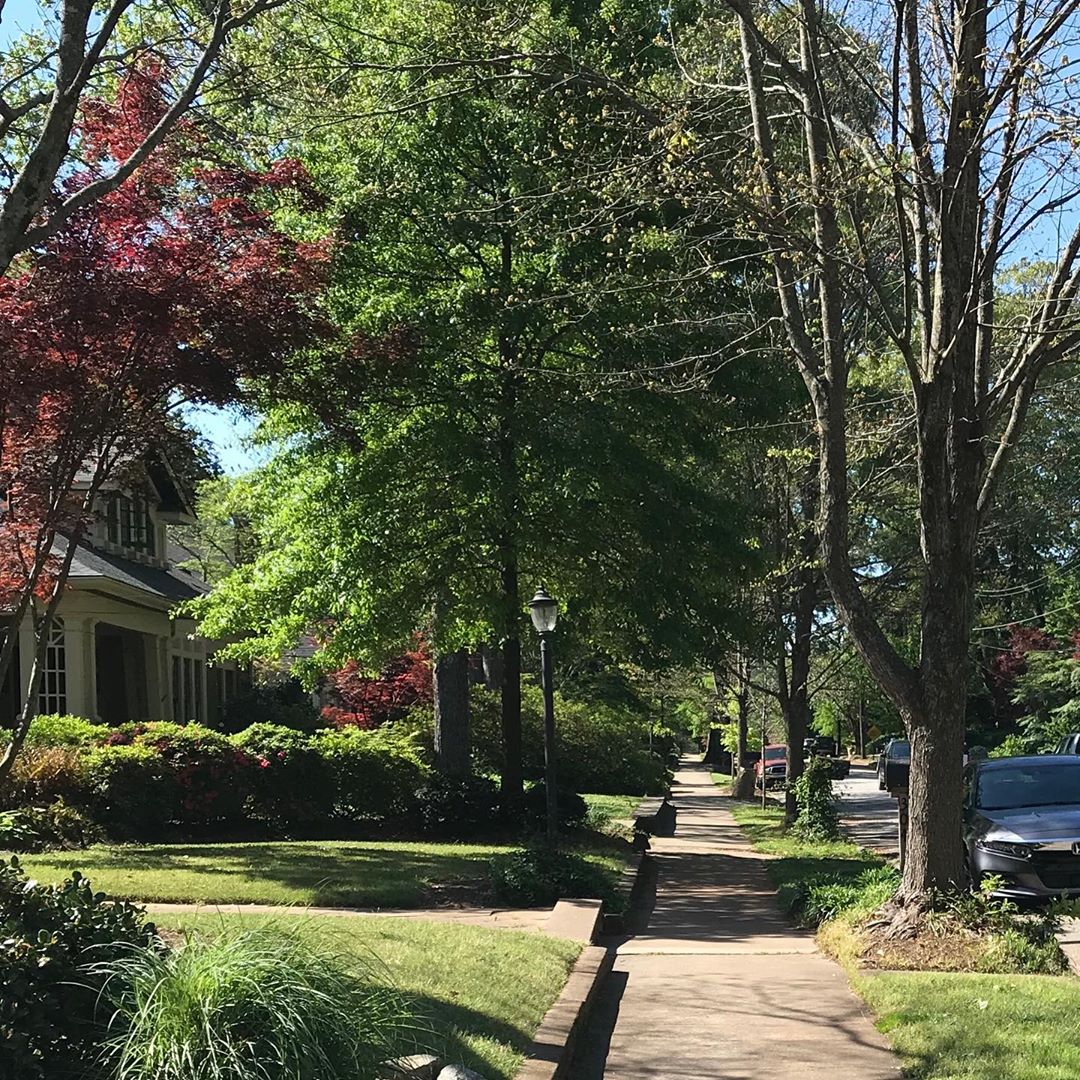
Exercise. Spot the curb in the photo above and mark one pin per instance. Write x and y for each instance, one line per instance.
(552, 1049)
(626, 890)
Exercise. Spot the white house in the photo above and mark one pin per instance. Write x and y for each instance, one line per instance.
(116, 654)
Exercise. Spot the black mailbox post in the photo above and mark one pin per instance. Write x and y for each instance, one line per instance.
(897, 775)
(897, 767)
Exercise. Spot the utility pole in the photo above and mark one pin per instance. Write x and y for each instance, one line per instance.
(764, 801)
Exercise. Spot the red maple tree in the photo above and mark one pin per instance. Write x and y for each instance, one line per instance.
(169, 290)
(367, 702)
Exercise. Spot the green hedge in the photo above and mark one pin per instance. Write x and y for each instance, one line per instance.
(374, 773)
(140, 779)
(601, 749)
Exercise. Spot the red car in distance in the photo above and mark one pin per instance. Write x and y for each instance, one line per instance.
(771, 769)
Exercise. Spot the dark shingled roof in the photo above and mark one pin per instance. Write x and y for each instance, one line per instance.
(168, 584)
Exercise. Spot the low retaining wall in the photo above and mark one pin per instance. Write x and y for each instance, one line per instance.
(552, 1048)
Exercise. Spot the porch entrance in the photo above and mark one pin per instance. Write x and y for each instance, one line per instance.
(121, 670)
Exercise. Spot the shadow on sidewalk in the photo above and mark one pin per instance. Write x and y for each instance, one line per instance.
(595, 1045)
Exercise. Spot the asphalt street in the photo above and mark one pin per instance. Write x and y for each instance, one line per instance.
(867, 813)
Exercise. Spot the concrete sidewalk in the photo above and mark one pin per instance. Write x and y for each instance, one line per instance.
(718, 985)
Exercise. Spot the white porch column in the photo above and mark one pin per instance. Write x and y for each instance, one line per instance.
(159, 695)
(79, 632)
(26, 657)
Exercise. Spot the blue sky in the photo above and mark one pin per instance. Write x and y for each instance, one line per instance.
(19, 15)
(229, 432)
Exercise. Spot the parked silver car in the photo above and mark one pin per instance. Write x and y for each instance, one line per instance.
(1022, 825)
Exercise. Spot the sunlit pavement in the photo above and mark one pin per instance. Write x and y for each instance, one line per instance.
(719, 985)
(867, 814)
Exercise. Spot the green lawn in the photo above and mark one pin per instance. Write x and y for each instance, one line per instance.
(321, 873)
(610, 807)
(722, 780)
(979, 1027)
(480, 993)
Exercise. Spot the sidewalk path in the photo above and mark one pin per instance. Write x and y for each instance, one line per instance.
(719, 986)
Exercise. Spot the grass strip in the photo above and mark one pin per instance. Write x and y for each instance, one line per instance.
(797, 860)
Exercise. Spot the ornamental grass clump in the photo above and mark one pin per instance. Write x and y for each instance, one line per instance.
(255, 1004)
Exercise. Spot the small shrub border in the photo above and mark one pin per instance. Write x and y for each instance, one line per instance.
(52, 1015)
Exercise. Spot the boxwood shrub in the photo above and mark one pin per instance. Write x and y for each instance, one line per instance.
(375, 773)
(52, 1016)
(291, 781)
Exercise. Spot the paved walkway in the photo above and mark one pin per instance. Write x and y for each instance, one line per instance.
(718, 985)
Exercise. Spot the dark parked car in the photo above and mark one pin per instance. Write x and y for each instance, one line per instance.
(819, 746)
(824, 746)
(1022, 824)
(894, 765)
(1069, 745)
(841, 768)
(772, 768)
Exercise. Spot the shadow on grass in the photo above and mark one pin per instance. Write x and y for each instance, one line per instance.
(315, 873)
(446, 1030)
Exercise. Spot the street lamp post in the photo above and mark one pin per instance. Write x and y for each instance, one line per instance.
(545, 611)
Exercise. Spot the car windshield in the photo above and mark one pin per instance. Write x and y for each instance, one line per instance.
(775, 753)
(899, 751)
(1053, 783)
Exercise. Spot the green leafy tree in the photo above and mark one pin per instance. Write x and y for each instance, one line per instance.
(496, 413)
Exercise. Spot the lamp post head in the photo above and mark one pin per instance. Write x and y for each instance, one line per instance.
(544, 610)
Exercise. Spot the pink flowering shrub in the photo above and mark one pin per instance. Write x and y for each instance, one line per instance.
(291, 782)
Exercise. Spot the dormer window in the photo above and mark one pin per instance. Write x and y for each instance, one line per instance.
(128, 524)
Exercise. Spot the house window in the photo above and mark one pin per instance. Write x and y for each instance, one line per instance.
(53, 695)
(128, 524)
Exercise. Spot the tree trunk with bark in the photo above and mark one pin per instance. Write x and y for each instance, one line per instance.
(958, 201)
(794, 649)
(450, 678)
(513, 792)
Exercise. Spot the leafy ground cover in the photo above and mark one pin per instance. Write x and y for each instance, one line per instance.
(605, 810)
(321, 873)
(480, 994)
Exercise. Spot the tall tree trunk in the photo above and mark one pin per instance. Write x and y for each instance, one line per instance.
(42, 628)
(513, 788)
(797, 711)
(450, 679)
(742, 712)
(510, 510)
